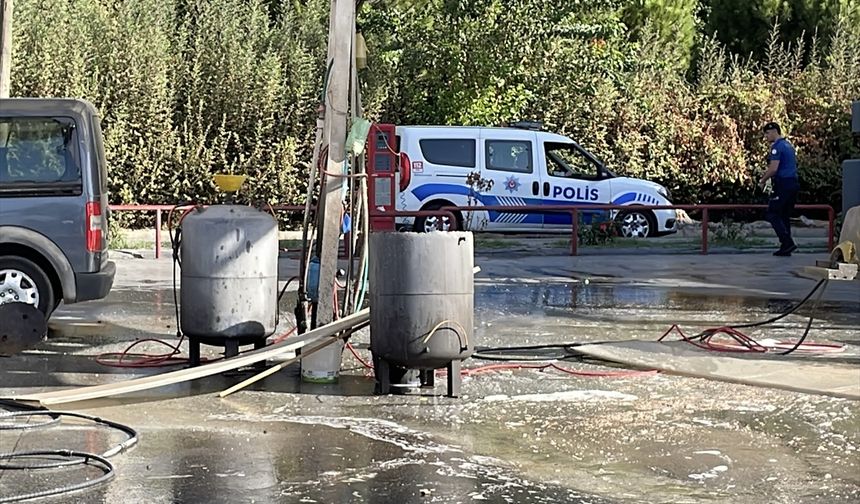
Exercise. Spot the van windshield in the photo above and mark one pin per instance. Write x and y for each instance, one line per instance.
(569, 160)
(38, 152)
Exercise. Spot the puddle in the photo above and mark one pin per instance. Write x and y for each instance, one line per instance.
(517, 436)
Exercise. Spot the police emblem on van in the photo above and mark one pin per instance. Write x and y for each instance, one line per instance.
(512, 184)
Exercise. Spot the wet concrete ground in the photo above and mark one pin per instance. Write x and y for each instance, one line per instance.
(515, 436)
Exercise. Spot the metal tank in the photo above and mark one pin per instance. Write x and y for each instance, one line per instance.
(851, 168)
(421, 303)
(229, 277)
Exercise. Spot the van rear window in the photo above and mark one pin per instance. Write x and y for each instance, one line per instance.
(449, 152)
(39, 155)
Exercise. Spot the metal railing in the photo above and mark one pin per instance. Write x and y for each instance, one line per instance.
(574, 211)
(160, 209)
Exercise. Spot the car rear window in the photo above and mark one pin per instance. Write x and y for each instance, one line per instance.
(39, 154)
(449, 151)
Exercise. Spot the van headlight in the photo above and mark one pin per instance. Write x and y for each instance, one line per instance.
(662, 191)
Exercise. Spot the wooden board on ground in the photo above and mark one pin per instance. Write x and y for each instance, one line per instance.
(805, 375)
(160, 380)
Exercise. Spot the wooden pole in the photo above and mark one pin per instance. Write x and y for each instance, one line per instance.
(5, 47)
(334, 135)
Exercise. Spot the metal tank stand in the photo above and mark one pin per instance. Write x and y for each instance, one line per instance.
(427, 377)
(231, 346)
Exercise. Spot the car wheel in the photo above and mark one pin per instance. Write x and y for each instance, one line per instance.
(637, 224)
(435, 223)
(22, 281)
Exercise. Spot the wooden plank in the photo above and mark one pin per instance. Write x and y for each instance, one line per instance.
(183, 375)
(274, 369)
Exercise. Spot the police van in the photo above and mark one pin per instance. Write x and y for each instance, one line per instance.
(517, 166)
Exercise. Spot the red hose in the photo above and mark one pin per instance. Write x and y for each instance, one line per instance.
(745, 344)
(358, 357)
(127, 359)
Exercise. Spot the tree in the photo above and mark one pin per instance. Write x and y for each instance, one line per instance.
(674, 21)
(744, 25)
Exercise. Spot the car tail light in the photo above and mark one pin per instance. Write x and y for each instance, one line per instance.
(405, 171)
(95, 223)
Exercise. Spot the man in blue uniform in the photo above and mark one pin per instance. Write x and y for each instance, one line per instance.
(782, 169)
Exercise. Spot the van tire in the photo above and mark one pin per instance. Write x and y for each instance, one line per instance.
(631, 223)
(424, 224)
(32, 277)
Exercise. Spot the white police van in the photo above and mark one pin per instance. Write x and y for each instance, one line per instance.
(527, 167)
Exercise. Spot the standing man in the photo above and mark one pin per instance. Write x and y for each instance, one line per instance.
(782, 169)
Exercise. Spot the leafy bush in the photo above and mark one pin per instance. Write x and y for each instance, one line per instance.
(597, 232)
(186, 88)
(193, 87)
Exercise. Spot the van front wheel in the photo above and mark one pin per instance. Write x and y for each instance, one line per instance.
(637, 224)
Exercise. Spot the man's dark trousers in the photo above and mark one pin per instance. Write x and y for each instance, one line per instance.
(780, 208)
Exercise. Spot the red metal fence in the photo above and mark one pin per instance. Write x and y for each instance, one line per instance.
(572, 210)
(160, 209)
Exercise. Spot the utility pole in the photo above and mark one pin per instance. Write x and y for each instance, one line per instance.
(334, 135)
(336, 123)
(5, 47)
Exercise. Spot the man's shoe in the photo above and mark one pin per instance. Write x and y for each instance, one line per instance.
(785, 252)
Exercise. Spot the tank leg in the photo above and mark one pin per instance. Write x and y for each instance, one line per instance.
(231, 348)
(383, 377)
(258, 344)
(194, 352)
(428, 378)
(454, 378)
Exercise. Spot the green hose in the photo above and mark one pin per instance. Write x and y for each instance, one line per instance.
(363, 287)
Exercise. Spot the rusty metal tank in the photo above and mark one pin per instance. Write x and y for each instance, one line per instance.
(421, 298)
(229, 276)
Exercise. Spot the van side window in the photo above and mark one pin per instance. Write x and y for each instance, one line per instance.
(449, 152)
(510, 156)
(37, 154)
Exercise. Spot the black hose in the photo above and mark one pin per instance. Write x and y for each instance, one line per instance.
(55, 419)
(808, 324)
(119, 448)
(74, 458)
(86, 458)
(708, 332)
(498, 353)
(278, 306)
(175, 244)
(791, 310)
(284, 290)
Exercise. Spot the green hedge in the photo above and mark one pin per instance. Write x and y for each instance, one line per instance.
(192, 87)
